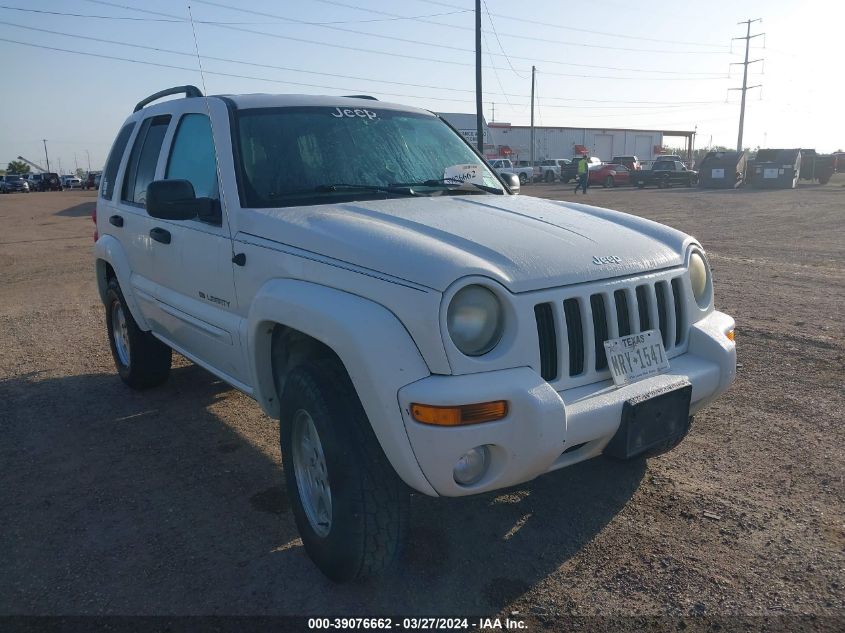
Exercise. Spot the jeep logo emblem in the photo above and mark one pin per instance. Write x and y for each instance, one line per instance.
(608, 259)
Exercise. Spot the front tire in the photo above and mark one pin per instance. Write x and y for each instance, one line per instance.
(608, 182)
(142, 361)
(349, 504)
(523, 179)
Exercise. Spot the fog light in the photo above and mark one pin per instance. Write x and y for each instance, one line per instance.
(471, 466)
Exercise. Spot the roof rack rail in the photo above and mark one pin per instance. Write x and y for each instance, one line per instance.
(360, 97)
(189, 91)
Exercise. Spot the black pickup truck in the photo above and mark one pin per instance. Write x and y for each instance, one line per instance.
(665, 173)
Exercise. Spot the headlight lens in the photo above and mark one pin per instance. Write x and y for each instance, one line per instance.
(474, 320)
(699, 276)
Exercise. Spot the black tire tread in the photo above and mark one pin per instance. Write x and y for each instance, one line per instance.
(377, 538)
(150, 358)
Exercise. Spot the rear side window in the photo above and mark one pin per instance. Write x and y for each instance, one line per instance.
(113, 162)
(192, 156)
(142, 161)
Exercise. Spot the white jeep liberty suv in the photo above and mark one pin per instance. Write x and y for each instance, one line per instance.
(359, 270)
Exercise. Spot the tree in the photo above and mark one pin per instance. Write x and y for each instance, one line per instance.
(17, 167)
(80, 173)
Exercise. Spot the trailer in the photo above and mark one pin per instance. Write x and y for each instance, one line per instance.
(776, 169)
(722, 170)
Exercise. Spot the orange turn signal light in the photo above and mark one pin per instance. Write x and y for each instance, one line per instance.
(731, 335)
(460, 415)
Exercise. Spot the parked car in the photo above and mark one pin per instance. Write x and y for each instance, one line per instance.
(12, 183)
(92, 180)
(71, 182)
(631, 162)
(525, 171)
(665, 173)
(549, 170)
(408, 331)
(570, 172)
(668, 157)
(50, 181)
(609, 175)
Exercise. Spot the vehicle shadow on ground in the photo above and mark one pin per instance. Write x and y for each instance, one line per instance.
(81, 210)
(126, 502)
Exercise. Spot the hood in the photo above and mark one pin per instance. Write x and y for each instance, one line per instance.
(524, 243)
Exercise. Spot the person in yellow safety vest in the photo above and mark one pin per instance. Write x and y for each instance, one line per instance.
(583, 174)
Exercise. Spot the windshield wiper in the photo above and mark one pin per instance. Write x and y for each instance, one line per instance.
(404, 190)
(450, 184)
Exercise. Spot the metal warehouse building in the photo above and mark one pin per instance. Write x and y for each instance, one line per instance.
(514, 141)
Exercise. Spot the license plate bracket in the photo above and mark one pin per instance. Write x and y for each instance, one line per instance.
(651, 419)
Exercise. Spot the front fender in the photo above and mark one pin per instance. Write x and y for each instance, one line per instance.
(108, 250)
(375, 348)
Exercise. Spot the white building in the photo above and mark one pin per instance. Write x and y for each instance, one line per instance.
(565, 142)
(514, 141)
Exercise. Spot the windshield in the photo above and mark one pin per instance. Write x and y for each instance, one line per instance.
(13, 178)
(315, 155)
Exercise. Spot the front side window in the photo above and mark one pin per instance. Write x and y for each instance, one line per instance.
(142, 161)
(314, 155)
(192, 156)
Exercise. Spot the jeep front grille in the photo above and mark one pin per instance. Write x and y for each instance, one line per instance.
(572, 327)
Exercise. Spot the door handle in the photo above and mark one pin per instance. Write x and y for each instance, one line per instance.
(160, 235)
(116, 220)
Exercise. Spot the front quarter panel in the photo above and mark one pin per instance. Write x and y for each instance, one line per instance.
(376, 350)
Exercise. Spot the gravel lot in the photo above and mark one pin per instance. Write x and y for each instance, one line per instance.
(171, 501)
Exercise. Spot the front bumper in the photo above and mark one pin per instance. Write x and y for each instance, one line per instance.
(545, 429)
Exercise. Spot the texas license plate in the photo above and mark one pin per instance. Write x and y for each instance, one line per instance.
(632, 358)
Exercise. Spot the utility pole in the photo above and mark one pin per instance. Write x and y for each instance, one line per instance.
(533, 72)
(494, 112)
(45, 154)
(745, 87)
(479, 112)
(88, 154)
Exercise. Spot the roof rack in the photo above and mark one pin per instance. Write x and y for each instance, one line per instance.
(359, 97)
(189, 91)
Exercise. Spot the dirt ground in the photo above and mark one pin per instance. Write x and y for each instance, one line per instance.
(172, 501)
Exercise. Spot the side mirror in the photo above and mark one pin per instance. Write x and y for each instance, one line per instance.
(176, 200)
(512, 181)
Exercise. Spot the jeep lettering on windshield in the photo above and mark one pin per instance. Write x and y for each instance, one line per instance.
(339, 113)
(608, 259)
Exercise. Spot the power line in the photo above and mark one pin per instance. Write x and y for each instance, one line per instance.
(403, 39)
(502, 48)
(636, 105)
(402, 55)
(572, 28)
(182, 20)
(284, 82)
(157, 49)
(288, 21)
(536, 22)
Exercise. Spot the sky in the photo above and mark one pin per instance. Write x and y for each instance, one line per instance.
(606, 63)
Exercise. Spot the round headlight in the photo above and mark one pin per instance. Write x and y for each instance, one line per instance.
(474, 320)
(699, 276)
